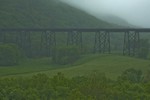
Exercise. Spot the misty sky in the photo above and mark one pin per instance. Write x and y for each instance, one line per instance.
(136, 12)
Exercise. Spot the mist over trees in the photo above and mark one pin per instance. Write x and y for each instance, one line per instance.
(136, 12)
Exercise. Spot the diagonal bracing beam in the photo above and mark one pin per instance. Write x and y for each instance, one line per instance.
(23, 39)
(102, 42)
(74, 38)
(131, 43)
(48, 43)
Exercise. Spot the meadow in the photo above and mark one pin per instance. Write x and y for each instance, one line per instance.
(110, 65)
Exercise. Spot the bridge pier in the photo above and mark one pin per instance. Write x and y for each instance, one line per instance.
(23, 39)
(48, 43)
(131, 43)
(74, 38)
(102, 42)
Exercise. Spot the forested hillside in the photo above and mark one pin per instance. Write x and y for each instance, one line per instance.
(44, 14)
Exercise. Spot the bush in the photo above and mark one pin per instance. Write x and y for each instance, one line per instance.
(9, 54)
(66, 55)
(144, 49)
(91, 87)
(132, 75)
(143, 53)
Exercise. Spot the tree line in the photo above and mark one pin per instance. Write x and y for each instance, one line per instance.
(11, 54)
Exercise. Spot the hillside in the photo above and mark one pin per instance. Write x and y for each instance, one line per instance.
(115, 20)
(111, 65)
(44, 14)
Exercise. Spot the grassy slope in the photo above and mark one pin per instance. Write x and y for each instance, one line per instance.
(111, 65)
(44, 13)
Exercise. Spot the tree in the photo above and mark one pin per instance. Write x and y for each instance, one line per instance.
(132, 75)
(9, 54)
(66, 55)
(144, 48)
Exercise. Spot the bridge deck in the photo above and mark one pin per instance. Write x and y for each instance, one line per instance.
(76, 29)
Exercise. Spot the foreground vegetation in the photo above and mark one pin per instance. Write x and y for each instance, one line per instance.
(131, 85)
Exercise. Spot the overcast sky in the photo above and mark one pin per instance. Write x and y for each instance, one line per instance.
(136, 12)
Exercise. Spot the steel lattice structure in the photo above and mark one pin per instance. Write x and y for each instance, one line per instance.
(74, 38)
(101, 43)
(131, 43)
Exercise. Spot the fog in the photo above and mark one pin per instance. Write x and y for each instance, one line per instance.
(136, 12)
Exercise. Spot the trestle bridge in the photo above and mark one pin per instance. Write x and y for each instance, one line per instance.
(101, 43)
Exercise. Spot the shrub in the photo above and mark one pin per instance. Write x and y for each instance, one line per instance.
(132, 75)
(9, 54)
(66, 55)
(144, 49)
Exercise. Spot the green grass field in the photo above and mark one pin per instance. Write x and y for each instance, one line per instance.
(111, 65)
